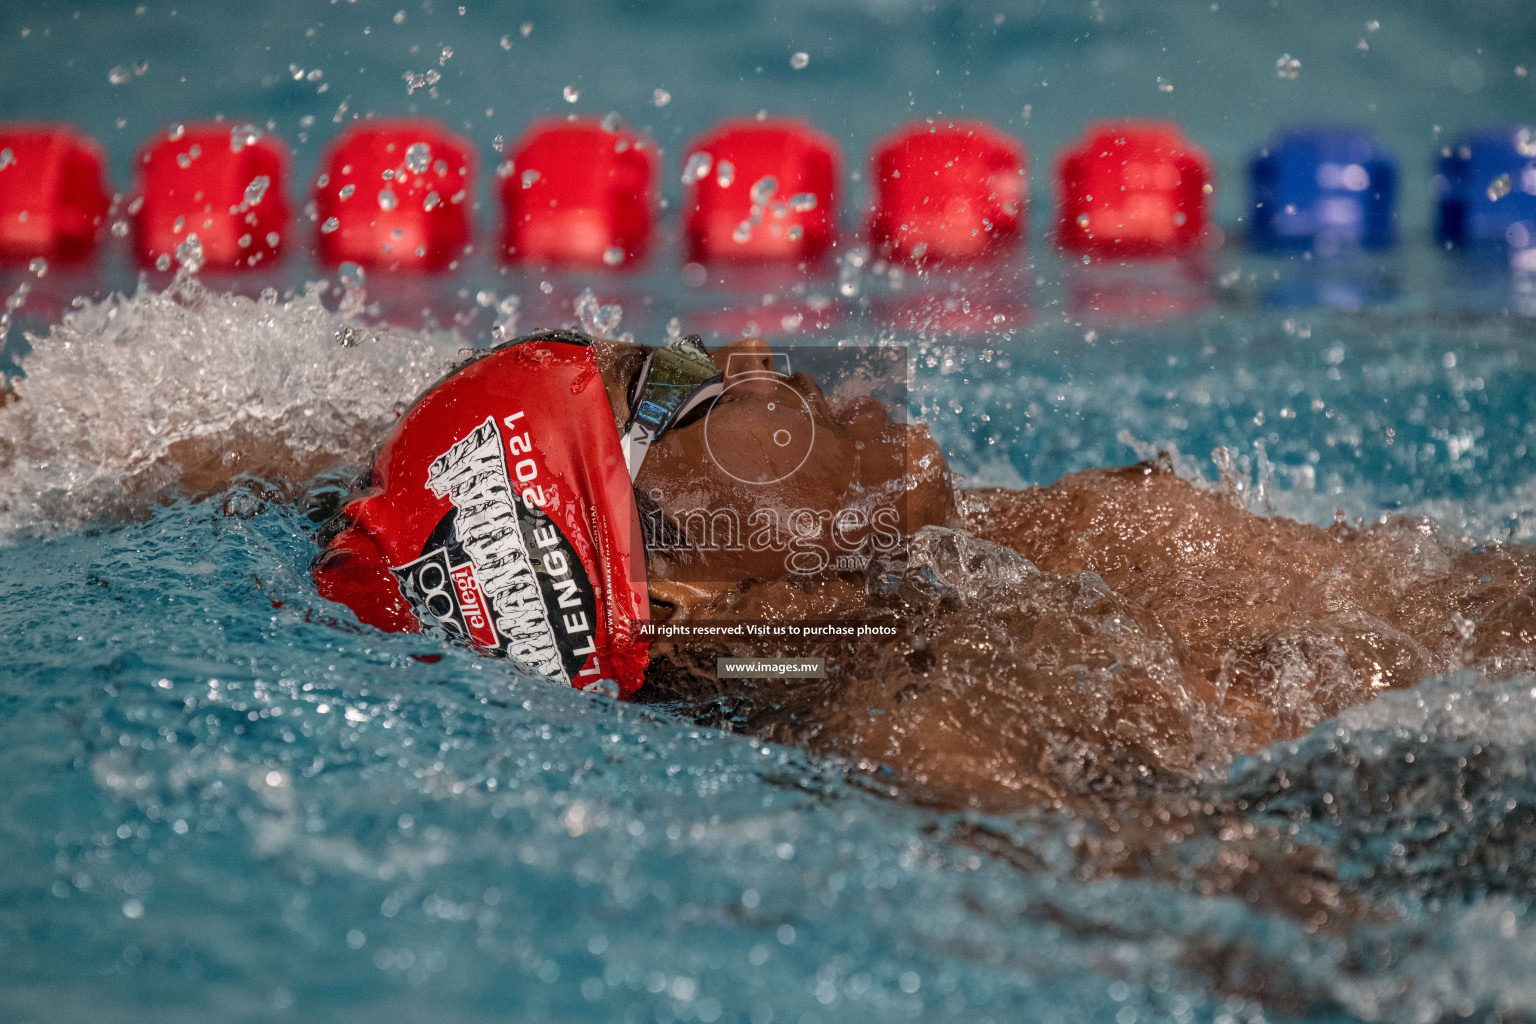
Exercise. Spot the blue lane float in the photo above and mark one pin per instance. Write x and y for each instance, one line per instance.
(1486, 186)
(1323, 190)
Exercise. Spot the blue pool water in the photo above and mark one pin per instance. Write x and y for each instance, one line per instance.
(224, 800)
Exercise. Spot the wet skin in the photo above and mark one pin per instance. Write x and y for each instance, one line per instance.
(1162, 626)
(774, 449)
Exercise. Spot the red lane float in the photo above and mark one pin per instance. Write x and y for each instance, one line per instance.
(952, 192)
(395, 194)
(51, 198)
(224, 185)
(579, 193)
(760, 191)
(1135, 188)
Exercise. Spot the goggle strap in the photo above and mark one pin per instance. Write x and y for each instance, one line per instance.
(638, 434)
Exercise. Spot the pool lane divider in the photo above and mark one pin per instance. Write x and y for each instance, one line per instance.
(1325, 189)
(397, 194)
(224, 185)
(579, 193)
(760, 192)
(951, 192)
(1134, 188)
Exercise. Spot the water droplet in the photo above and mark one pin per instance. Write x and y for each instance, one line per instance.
(660, 97)
(499, 143)
(796, 232)
(387, 199)
(505, 327)
(273, 238)
(604, 687)
(445, 56)
(119, 229)
(743, 232)
(176, 131)
(399, 17)
(697, 166)
(1499, 187)
(1163, 85)
(613, 255)
(418, 157)
(600, 320)
(118, 75)
(38, 266)
(1525, 141)
(432, 201)
(506, 42)
(529, 177)
(1288, 67)
(331, 224)
(725, 173)
(526, 29)
(353, 295)
(190, 255)
(1083, 221)
(799, 60)
(6, 158)
(571, 94)
(347, 191)
(762, 189)
(257, 189)
(243, 135)
(802, 202)
(611, 122)
(244, 241)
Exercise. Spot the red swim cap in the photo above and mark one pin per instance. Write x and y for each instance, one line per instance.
(501, 510)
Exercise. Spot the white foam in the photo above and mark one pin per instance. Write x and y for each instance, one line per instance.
(116, 382)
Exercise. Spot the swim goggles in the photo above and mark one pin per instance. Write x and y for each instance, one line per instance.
(676, 384)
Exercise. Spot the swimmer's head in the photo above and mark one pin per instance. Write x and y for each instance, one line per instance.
(775, 480)
(501, 508)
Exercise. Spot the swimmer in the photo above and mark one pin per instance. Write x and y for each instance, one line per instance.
(1107, 632)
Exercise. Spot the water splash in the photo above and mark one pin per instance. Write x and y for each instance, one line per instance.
(597, 319)
(243, 135)
(189, 255)
(256, 191)
(696, 167)
(418, 157)
(112, 387)
(354, 294)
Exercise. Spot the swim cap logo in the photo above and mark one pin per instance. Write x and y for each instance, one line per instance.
(495, 595)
